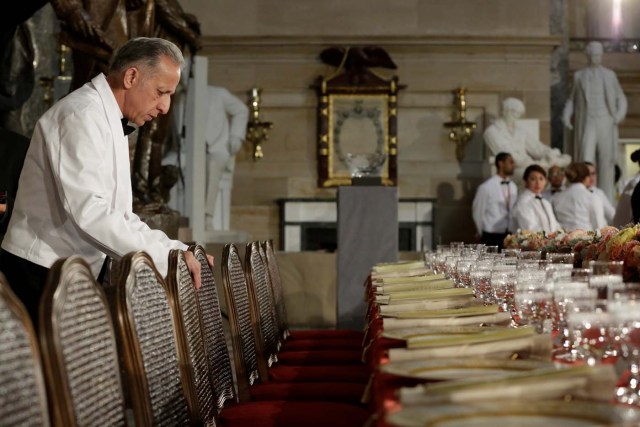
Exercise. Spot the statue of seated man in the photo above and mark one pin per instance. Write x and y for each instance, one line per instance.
(505, 134)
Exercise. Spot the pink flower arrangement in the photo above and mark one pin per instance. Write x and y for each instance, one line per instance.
(608, 243)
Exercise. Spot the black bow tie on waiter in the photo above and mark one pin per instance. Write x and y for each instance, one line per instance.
(125, 126)
(505, 182)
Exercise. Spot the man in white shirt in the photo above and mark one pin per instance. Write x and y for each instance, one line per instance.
(556, 182)
(609, 210)
(74, 194)
(493, 204)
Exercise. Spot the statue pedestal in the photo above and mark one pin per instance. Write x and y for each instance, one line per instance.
(367, 235)
(161, 218)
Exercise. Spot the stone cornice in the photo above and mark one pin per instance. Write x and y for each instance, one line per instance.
(530, 44)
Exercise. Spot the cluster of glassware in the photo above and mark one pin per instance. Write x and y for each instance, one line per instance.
(591, 313)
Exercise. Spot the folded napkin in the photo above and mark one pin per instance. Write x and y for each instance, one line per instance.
(390, 323)
(534, 346)
(429, 294)
(397, 266)
(392, 309)
(408, 279)
(472, 310)
(407, 333)
(583, 382)
(414, 286)
(421, 271)
(483, 336)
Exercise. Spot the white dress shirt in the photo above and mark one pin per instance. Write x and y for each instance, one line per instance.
(623, 214)
(534, 213)
(609, 210)
(576, 207)
(74, 195)
(491, 212)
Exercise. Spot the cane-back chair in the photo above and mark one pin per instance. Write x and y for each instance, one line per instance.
(160, 390)
(261, 292)
(218, 360)
(23, 398)
(256, 381)
(190, 336)
(79, 349)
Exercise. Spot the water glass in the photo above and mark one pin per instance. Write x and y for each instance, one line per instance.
(511, 252)
(531, 301)
(530, 255)
(561, 258)
(591, 334)
(605, 274)
(503, 281)
(626, 327)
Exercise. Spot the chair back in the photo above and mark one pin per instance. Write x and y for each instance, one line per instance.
(190, 336)
(262, 298)
(79, 349)
(23, 398)
(218, 359)
(242, 321)
(277, 290)
(159, 389)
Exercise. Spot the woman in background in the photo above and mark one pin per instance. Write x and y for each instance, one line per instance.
(532, 212)
(576, 207)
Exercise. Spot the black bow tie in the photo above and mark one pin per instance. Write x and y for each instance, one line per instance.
(505, 182)
(539, 197)
(125, 126)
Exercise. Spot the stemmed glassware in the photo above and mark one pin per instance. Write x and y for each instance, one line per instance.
(503, 281)
(624, 307)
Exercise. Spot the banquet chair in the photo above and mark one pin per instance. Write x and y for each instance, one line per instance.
(262, 299)
(79, 349)
(308, 338)
(23, 398)
(217, 353)
(255, 379)
(265, 413)
(182, 294)
(159, 387)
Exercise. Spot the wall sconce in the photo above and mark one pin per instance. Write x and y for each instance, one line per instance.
(460, 130)
(257, 130)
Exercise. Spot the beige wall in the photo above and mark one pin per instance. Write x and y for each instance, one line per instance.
(496, 48)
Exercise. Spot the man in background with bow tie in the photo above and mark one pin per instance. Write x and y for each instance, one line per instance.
(74, 194)
(599, 105)
(493, 204)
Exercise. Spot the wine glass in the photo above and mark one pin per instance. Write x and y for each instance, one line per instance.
(603, 275)
(530, 255)
(511, 252)
(624, 306)
(592, 334)
(561, 257)
(531, 301)
(503, 281)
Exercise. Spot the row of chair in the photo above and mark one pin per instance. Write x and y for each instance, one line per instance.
(149, 351)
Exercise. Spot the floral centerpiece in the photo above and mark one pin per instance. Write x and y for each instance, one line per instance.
(607, 243)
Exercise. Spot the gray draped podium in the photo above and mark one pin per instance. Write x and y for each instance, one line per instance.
(367, 235)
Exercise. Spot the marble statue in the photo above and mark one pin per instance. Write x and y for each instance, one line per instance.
(226, 129)
(597, 105)
(505, 134)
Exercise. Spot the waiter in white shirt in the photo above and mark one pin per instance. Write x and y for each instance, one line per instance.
(532, 212)
(623, 214)
(576, 207)
(494, 201)
(74, 194)
(609, 210)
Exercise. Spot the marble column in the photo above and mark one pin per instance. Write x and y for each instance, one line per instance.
(560, 85)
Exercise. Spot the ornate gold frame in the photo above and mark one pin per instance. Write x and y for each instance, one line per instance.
(342, 87)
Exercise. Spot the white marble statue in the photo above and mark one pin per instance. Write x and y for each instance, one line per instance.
(226, 129)
(507, 135)
(597, 105)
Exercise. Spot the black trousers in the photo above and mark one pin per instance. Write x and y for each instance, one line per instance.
(27, 281)
(493, 239)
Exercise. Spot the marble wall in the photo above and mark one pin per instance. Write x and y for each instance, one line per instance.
(496, 48)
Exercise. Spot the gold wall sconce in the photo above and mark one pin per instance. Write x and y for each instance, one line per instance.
(460, 129)
(257, 130)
